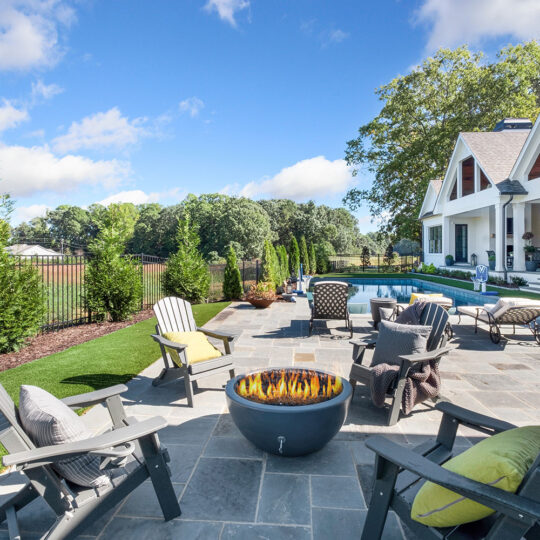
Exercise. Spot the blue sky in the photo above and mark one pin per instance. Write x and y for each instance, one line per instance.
(147, 101)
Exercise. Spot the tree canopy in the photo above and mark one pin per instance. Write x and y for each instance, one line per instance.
(411, 140)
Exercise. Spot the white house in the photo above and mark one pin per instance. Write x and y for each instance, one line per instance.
(31, 250)
(489, 197)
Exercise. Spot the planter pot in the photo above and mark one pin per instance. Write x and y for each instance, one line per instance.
(492, 265)
(530, 266)
(260, 303)
(449, 262)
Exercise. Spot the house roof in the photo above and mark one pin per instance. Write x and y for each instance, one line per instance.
(511, 187)
(31, 249)
(496, 151)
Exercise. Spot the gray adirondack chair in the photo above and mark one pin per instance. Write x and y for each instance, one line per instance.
(330, 303)
(175, 315)
(433, 315)
(399, 472)
(77, 507)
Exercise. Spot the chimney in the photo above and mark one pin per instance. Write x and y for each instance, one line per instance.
(508, 124)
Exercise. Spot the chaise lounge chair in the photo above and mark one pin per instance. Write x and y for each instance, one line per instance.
(507, 311)
(434, 316)
(330, 303)
(195, 358)
(399, 472)
(77, 507)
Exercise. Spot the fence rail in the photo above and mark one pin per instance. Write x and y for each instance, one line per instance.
(64, 287)
(376, 263)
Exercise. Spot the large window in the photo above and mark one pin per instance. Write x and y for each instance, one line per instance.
(467, 176)
(435, 239)
(453, 193)
(484, 182)
(535, 170)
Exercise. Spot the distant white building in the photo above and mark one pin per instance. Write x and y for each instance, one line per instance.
(28, 250)
(488, 198)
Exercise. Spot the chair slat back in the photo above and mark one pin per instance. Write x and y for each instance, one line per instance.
(330, 299)
(174, 315)
(437, 317)
(12, 434)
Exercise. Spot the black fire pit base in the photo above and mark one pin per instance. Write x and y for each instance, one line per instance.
(288, 430)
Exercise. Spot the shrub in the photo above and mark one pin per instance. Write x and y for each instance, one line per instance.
(113, 282)
(519, 281)
(324, 251)
(21, 298)
(262, 291)
(187, 274)
(312, 259)
(294, 257)
(304, 256)
(232, 282)
(268, 267)
(283, 262)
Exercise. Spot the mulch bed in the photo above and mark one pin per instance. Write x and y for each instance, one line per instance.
(45, 344)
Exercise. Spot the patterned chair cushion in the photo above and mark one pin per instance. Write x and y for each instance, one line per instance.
(330, 300)
(48, 421)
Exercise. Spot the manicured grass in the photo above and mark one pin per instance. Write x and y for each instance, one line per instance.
(112, 359)
(435, 279)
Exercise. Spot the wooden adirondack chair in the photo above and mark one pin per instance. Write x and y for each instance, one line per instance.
(175, 315)
(399, 472)
(76, 507)
(433, 315)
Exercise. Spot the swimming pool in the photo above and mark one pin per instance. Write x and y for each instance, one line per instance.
(362, 290)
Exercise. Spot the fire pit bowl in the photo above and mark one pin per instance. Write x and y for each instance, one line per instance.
(275, 421)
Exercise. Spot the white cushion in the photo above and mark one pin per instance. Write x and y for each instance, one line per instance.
(504, 304)
(48, 421)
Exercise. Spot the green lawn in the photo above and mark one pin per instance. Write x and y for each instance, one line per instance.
(105, 361)
(436, 279)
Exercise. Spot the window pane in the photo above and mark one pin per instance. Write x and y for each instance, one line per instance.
(484, 182)
(535, 171)
(453, 193)
(467, 176)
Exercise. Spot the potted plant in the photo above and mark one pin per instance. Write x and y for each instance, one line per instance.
(530, 264)
(261, 295)
(491, 260)
(449, 260)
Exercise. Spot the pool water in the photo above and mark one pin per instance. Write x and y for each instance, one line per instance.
(362, 290)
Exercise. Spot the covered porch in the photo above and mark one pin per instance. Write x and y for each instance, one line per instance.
(475, 236)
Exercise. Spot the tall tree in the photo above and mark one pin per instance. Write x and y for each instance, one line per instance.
(294, 257)
(304, 255)
(411, 140)
(312, 259)
(232, 281)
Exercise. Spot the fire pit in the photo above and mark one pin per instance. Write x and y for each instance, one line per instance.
(288, 411)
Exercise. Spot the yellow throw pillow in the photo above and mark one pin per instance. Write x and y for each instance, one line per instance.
(422, 296)
(501, 461)
(198, 347)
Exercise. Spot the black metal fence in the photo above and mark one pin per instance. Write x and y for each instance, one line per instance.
(375, 263)
(63, 278)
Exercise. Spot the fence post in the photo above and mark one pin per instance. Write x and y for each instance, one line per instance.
(142, 280)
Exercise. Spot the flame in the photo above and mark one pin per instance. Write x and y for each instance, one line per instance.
(289, 386)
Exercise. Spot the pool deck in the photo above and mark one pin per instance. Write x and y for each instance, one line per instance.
(229, 489)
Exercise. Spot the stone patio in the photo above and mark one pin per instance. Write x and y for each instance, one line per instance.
(229, 489)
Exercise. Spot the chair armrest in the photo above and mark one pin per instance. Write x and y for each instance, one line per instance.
(38, 457)
(218, 335)
(93, 398)
(366, 343)
(465, 416)
(167, 343)
(427, 356)
(520, 508)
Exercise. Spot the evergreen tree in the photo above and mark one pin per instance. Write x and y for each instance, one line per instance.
(294, 257)
(304, 256)
(312, 259)
(187, 274)
(366, 257)
(232, 282)
(389, 257)
(267, 263)
(276, 267)
(283, 263)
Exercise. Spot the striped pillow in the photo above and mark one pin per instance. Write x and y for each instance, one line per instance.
(49, 421)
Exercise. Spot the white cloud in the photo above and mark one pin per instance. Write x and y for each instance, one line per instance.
(337, 36)
(25, 171)
(29, 32)
(137, 196)
(454, 22)
(45, 91)
(192, 105)
(26, 213)
(10, 116)
(227, 9)
(101, 130)
(309, 178)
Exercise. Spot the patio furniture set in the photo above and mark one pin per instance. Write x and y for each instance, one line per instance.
(81, 476)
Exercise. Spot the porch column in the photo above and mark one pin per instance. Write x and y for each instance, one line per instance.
(500, 238)
(446, 248)
(519, 229)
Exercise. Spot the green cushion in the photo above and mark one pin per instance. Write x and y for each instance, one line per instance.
(501, 461)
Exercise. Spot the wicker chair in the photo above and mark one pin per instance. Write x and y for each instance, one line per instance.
(330, 303)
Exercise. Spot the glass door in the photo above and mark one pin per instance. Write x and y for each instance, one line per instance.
(461, 244)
